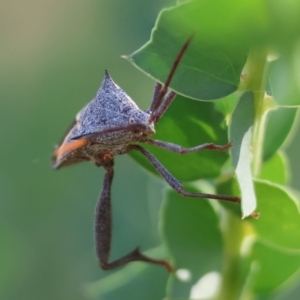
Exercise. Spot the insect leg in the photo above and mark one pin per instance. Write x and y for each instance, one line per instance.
(174, 183)
(182, 150)
(103, 230)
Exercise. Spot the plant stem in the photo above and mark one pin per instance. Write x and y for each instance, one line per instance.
(234, 229)
(232, 279)
(255, 81)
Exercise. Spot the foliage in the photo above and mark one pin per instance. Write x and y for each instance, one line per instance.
(242, 66)
(53, 57)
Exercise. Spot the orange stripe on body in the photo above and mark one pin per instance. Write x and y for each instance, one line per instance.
(71, 146)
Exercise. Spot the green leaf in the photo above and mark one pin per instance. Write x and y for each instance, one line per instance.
(275, 169)
(212, 65)
(189, 123)
(208, 70)
(191, 232)
(278, 128)
(283, 82)
(229, 187)
(240, 134)
(227, 104)
(272, 267)
(279, 222)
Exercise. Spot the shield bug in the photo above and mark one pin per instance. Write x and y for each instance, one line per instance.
(112, 124)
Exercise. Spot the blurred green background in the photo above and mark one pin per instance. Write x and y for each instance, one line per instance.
(52, 60)
(53, 57)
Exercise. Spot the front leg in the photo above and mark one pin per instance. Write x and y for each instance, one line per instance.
(182, 150)
(103, 230)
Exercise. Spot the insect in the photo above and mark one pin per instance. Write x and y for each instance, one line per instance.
(112, 124)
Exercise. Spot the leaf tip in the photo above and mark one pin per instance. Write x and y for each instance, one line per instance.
(255, 215)
(127, 57)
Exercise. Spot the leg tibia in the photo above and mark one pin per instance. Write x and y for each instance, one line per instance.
(103, 231)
